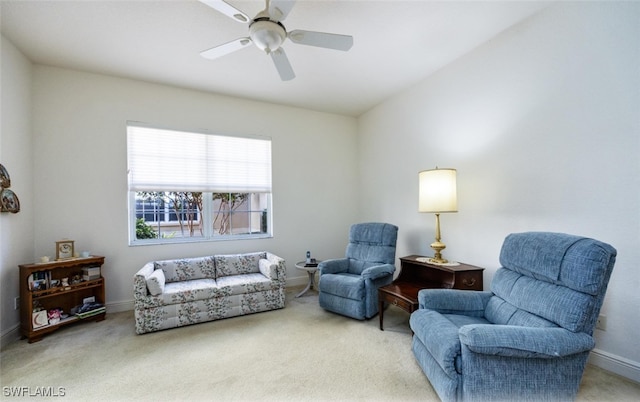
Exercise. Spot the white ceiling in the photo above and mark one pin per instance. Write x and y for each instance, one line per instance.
(396, 44)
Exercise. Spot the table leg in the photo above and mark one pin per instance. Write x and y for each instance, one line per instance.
(381, 312)
(312, 276)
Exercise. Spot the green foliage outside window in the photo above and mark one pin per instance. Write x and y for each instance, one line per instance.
(144, 231)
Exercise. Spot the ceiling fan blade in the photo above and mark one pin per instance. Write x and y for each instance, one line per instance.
(321, 39)
(279, 9)
(228, 10)
(282, 64)
(226, 48)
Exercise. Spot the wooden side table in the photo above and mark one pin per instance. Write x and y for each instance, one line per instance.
(416, 275)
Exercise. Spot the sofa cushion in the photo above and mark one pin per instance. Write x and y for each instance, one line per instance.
(186, 291)
(247, 283)
(155, 282)
(235, 264)
(268, 269)
(187, 268)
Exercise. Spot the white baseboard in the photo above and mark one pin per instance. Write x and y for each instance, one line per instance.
(615, 364)
(10, 335)
(300, 280)
(118, 307)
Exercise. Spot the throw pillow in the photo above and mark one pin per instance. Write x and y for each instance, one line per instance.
(265, 268)
(155, 282)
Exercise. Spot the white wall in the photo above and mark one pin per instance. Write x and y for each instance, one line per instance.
(16, 230)
(81, 181)
(542, 124)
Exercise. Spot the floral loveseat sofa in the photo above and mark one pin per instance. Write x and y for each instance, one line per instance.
(174, 293)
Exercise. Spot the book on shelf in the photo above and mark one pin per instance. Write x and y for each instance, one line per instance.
(91, 313)
(90, 273)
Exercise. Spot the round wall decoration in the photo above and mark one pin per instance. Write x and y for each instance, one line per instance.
(8, 199)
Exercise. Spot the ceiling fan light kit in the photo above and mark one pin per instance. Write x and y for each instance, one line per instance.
(268, 34)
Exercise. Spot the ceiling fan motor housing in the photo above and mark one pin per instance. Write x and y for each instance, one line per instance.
(267, 35)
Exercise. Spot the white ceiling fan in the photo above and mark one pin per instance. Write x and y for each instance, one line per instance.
(267, 33)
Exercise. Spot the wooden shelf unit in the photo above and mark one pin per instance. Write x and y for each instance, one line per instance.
(58, 297)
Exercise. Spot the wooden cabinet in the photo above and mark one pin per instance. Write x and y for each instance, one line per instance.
(416, 275)
(42, 288)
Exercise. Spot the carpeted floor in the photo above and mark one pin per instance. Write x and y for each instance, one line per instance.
(298, 353)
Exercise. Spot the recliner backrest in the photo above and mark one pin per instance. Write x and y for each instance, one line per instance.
(550, 279)
(371, 244)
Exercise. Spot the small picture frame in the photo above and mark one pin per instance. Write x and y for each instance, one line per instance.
(64, 249)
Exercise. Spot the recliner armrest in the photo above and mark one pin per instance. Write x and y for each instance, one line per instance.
(378, 271)
(454, 301)
(334, 266)
(516, 341)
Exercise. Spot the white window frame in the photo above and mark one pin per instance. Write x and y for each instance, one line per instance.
(207, 201)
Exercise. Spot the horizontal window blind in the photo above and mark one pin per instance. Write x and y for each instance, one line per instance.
(169, 160)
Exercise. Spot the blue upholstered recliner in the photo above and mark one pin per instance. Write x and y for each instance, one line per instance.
(530, 336)
(349, 286)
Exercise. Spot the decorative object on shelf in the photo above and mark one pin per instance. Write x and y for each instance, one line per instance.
(8, 199)
(437, 194)
(40, 319)
(54, 316)
(64, 249)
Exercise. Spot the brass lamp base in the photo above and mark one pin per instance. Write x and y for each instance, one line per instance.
(438, 246)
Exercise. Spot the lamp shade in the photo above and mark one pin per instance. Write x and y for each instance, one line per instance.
(437, 191)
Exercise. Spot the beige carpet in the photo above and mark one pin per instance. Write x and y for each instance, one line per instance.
(298, 353)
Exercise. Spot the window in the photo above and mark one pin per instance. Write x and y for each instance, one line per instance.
(194, 186)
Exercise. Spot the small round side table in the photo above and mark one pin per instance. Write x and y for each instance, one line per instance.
(311, 271)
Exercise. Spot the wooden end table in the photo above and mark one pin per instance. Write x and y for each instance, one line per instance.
(417, 274)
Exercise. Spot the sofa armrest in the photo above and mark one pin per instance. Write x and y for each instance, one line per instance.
(528, 342)
(378, 271)
(334, 266)
(454, 301)
(140, 281)
(277, 269)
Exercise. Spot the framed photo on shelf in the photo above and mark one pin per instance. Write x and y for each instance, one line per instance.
(64, 249)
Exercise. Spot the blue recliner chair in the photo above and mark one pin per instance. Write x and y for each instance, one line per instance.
(349, 286)
(530, 336)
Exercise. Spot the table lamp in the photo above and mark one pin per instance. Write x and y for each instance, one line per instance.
(437, 194)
